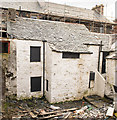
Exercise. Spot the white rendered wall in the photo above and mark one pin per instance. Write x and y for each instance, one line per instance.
(70, 77)
(99, 84)
(48, 72)
(110, 66)
(27, 69)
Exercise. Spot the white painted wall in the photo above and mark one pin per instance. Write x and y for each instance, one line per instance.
(94, 56)
(99, 84)
(27, 69)
(111, 71)
(48, 72)
(110, 75)
(70, 77)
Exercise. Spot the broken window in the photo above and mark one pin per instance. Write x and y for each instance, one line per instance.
(70, 55)
(35, 54)
(4, 47)
(46, 85)
(35, 84)
(91, 78)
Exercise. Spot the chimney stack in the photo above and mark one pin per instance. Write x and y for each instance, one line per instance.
(99, 9)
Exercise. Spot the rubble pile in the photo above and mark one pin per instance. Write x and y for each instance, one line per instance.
(39, 109)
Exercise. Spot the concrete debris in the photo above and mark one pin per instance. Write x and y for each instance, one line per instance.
(110, 111)
(54, 107)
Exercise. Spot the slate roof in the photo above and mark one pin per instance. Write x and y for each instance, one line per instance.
(74, 12)
(55, 9)
(60, 36)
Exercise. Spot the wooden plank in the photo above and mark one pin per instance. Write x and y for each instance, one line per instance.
(50, 116)
(32, 115)
(58, 111)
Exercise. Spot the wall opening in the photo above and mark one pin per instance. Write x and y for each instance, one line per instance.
(35, 54)
(4, 47)
(105, 54)
(46, 85)
(91, 78)
(35, 84)
(3, 34)
(70, 55)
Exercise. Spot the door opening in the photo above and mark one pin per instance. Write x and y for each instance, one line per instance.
(105, 54)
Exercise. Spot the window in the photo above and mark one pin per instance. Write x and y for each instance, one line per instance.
(115, 88)
(46, 85)
(35, 84)
(4, 47)
(91, 78)
(35, 54)
(92, 75)
(3, 34)
(70, 55)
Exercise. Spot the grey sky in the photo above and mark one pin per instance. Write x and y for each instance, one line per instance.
(109, 9)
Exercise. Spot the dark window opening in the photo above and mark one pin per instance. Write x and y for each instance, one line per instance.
(24, 14)
(46, 85)
(35, 54)
(4, 47)
(91, 78)
(105, 54)
(3, 34)
(115, 88)
(70, 55)
(35, 84)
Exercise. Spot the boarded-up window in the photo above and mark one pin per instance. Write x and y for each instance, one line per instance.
(35, 54)
(46, 85)
(4, 47)
(35, 84)
(70, 55)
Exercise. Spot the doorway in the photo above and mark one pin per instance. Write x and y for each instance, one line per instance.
(105, 54)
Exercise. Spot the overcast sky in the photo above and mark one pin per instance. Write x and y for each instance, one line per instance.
(109, 5)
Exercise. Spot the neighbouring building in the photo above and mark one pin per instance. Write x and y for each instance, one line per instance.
(47, 57)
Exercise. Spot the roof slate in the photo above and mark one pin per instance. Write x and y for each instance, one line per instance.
(55, 9)
(60, 36)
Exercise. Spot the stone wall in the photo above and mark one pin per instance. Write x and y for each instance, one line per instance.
(9, 68)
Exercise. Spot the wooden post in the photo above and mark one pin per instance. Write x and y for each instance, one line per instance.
(105, 28)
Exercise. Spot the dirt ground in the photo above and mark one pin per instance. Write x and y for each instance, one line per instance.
(29, 109)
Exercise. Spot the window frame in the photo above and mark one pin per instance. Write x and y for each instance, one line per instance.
(70, 55)
(39, 54)
(31, 84)
(8, 47)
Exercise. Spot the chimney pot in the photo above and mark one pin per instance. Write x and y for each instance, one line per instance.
(99, 9)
